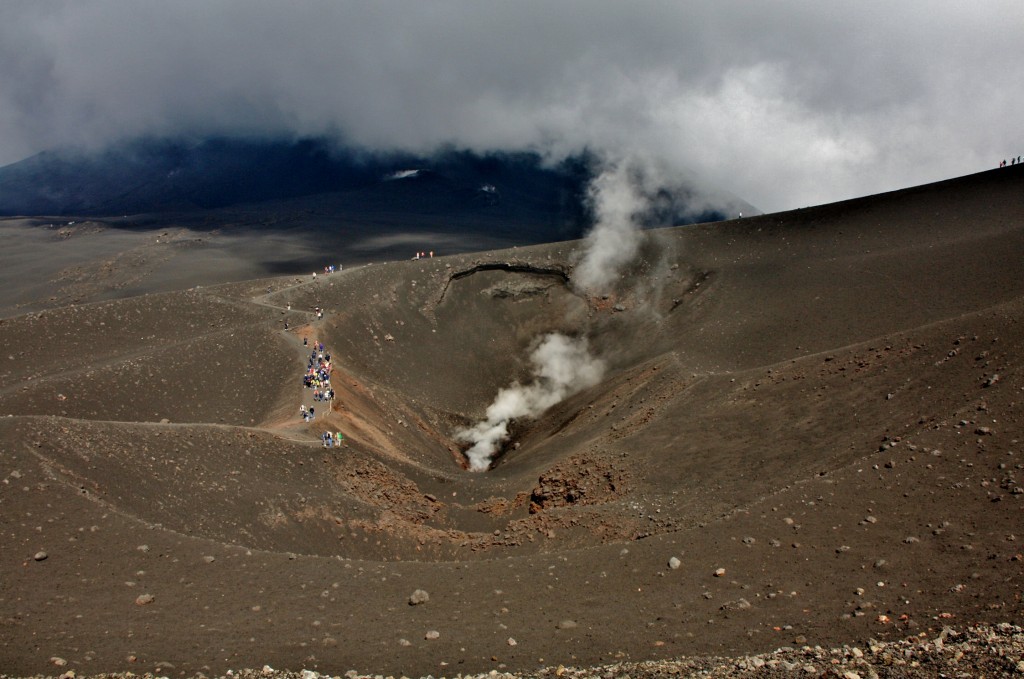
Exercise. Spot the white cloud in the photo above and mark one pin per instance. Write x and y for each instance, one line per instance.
(783, 103)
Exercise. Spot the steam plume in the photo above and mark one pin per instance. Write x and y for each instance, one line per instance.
(618, 198)
(562, 366)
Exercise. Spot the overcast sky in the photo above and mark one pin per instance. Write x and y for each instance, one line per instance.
(785, 104)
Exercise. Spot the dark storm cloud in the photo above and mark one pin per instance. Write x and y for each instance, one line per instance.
(785, 104)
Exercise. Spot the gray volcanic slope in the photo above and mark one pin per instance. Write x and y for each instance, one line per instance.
(815, 413)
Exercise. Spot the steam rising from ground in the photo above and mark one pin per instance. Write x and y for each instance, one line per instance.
(621, 196)
(614, 239)
(562, 366)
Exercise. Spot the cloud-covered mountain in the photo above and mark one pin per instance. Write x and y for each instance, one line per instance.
(148, 176)
(787, 104)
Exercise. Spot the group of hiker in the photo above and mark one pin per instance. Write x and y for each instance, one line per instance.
(330, 268)
(1013, 161)
(318, 373)
(330, 440)
(318, 378)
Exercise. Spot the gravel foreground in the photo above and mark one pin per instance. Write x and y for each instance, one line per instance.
(982, 651)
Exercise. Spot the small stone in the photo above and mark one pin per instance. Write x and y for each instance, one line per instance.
(738, 605)
(309, 674)
(144, 599)
(674, 563)
(59, 662)
(512, 642)
(749, 540)
(404, 642)
(910, 539)
(40, 556)
(719, 573)
(432, 634)
(209, 559)
(267, 670)
(567, 624)
(800, 639)
(143, 548)
(418, 597)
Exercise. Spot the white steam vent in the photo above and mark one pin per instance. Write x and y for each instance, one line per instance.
(617, 199)
(562, 366)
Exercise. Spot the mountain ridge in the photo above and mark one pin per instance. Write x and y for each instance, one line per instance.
(181, 176)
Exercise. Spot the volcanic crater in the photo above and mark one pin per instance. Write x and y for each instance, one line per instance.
(813, 412)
